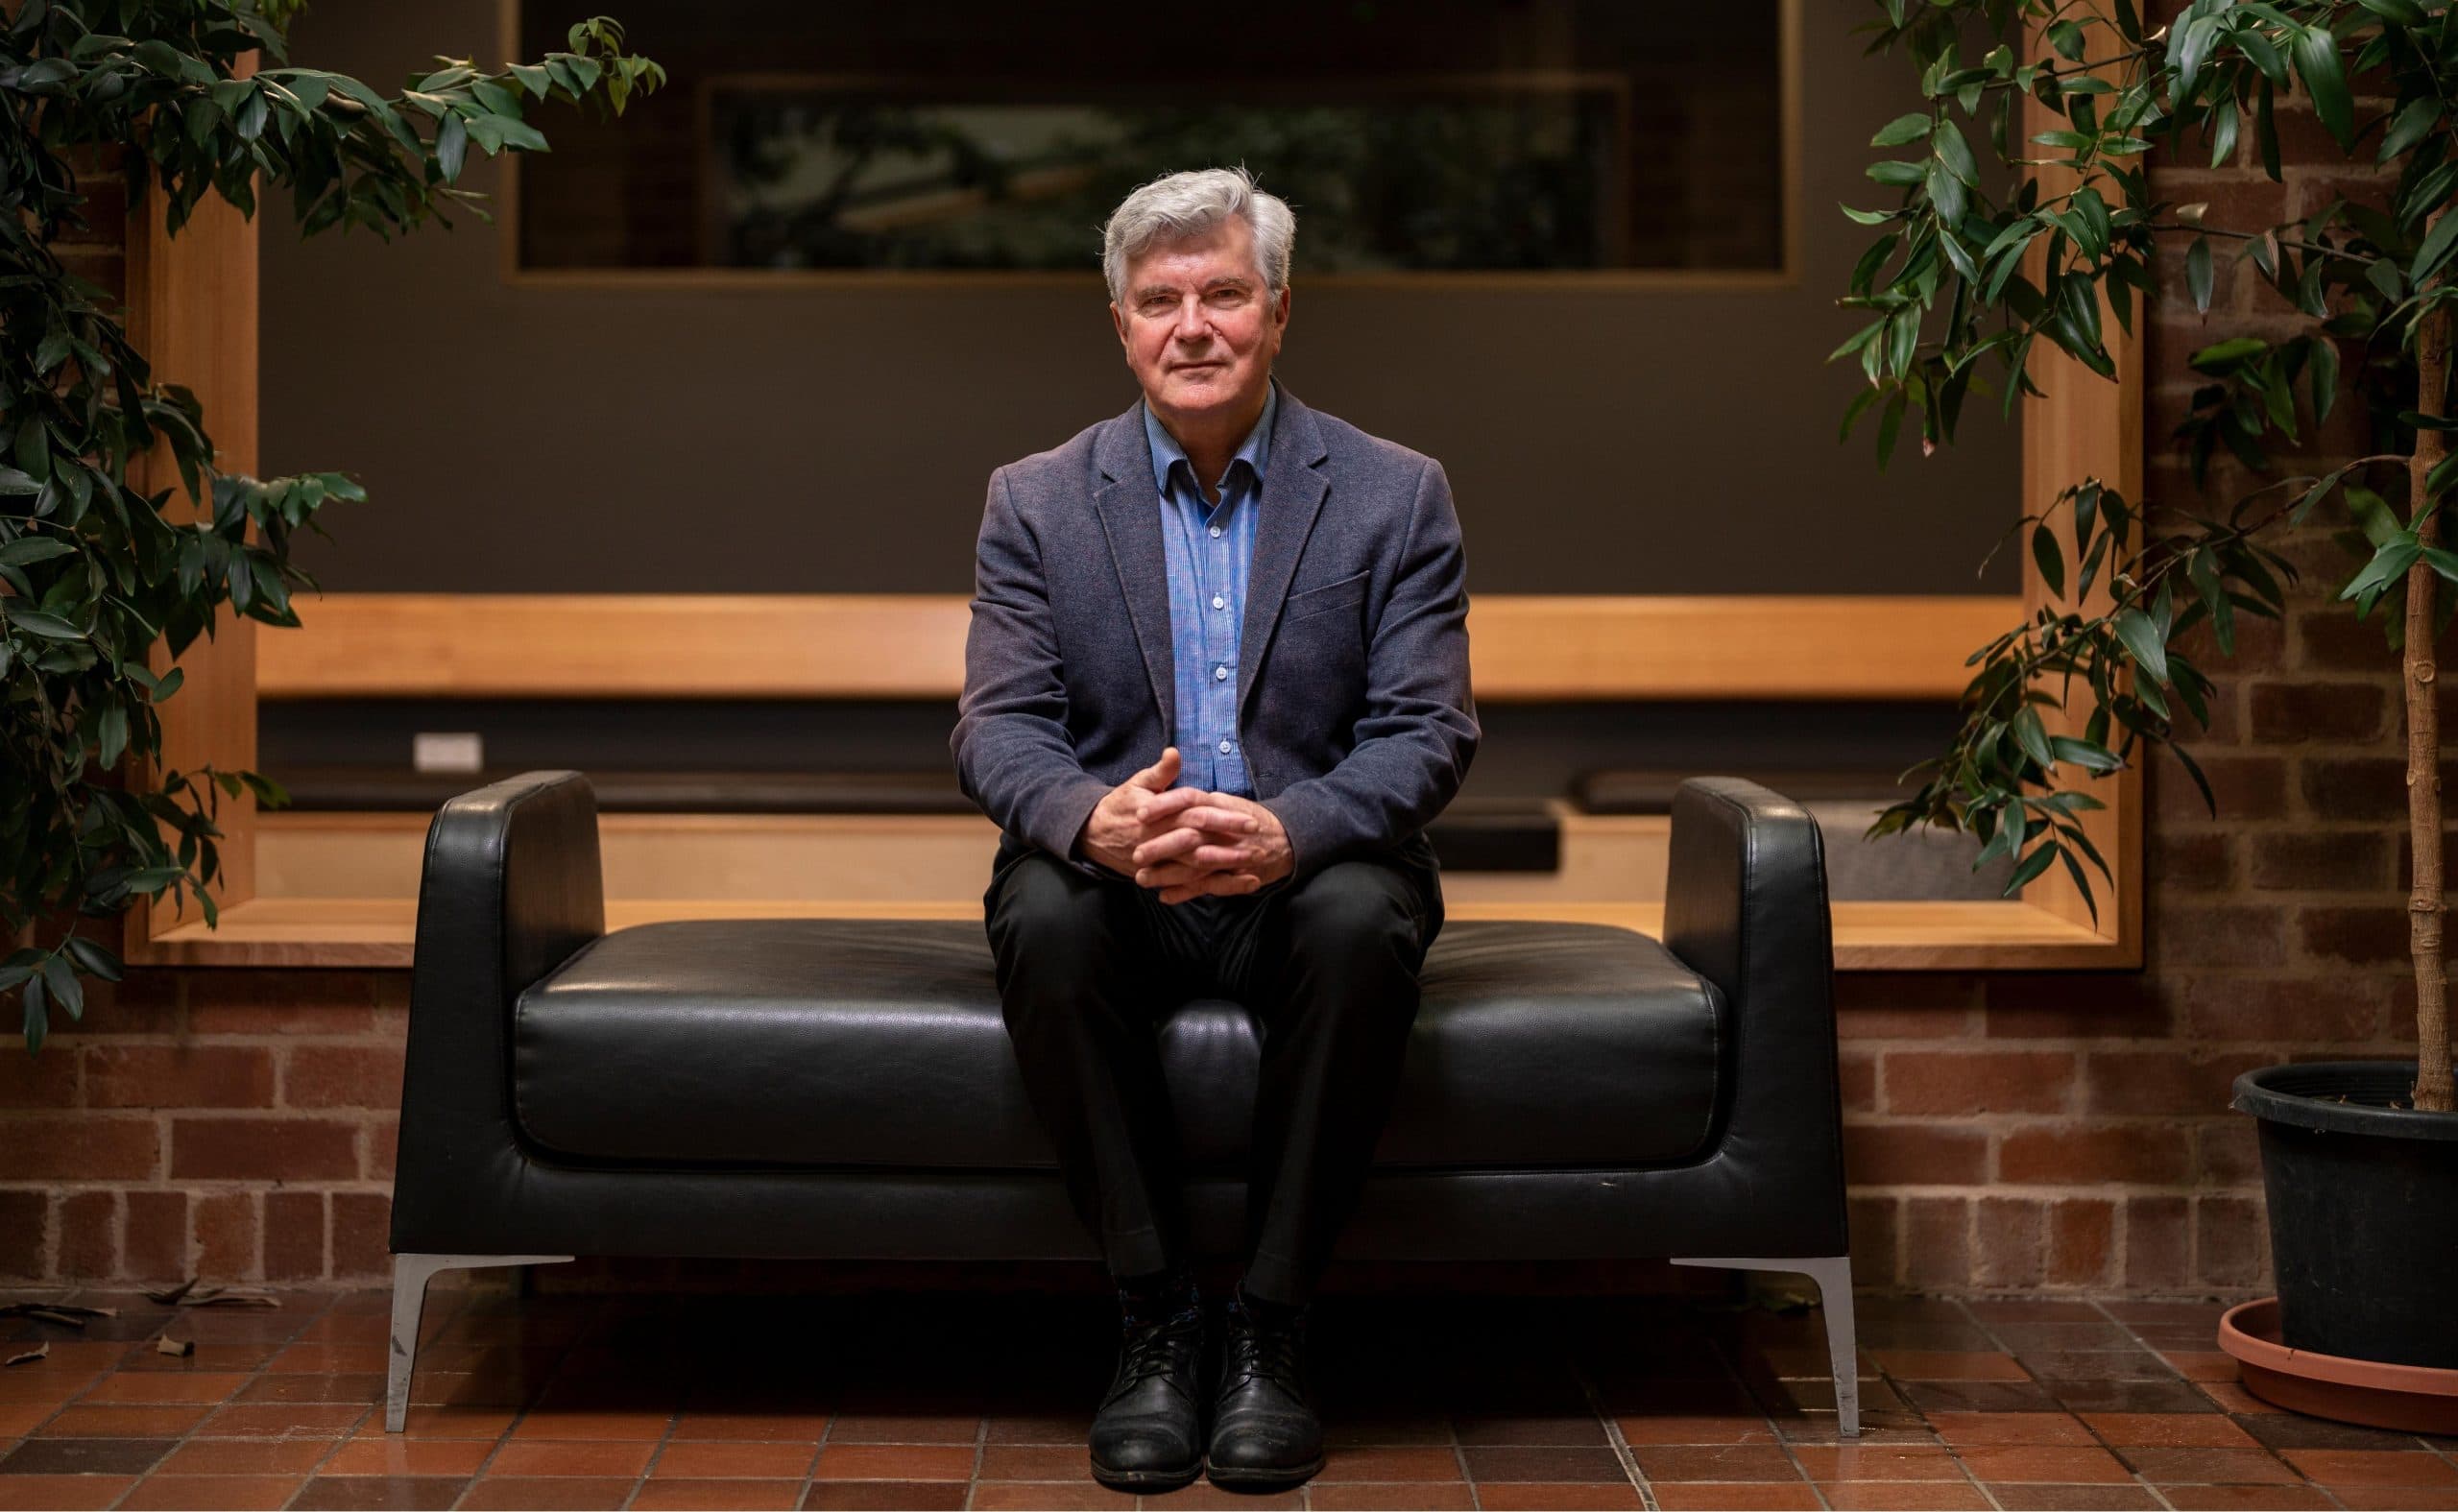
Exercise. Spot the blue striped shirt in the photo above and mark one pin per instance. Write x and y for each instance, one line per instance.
(1210, 548)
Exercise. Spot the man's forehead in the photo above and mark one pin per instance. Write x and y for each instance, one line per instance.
(1162, 278)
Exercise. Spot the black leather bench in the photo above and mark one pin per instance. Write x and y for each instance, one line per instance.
(819, 1088)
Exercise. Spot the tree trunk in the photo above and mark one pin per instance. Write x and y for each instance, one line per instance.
(2424, 902)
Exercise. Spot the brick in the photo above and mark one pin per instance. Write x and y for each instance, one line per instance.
(177, 1076)
(1937, 1243)
(2232, 1242)
(2196, 934)
(25, 1233)
(379, 1144)
(146, 1002)
(1910, 1155)
(2360, 936)
(153, 1245)
(2062, 1005)
(2164, 1081)
(45, 1078)
(263, 1149)
(88, 1223)
(226, 1236)
(2361, 787)
(2226, 1152)
(2085, 1154)
(2081, 1242)
(2331, 638)
(343, 1076)
(2158, 1237)
(2261, 646)
(80, 1147)
(2320, 860)
(2012, 1242)
(1857, 1079)
(1876, 1240)
(294, 1235)
(1967, 1082)
(2335, 1008)
(2192, 863)
(2242, 786)
(2341, 713)
(362, 1233)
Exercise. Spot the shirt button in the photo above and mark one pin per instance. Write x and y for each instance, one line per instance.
(1224, 748)
(1220, 674)
(1218, 602)
(1216, 530)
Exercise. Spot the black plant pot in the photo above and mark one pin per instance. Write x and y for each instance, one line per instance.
(2363, 1210)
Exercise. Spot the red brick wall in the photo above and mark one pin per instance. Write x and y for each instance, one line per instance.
(2007, 1131)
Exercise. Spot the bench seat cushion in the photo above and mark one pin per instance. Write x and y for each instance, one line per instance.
(857, 1042)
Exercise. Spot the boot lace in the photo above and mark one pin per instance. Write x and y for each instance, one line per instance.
(1151, 1350)
(1262, 1354)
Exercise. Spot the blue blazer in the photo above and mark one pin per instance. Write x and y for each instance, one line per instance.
(1353, 698)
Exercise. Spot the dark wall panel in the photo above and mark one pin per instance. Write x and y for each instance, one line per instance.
(525, 439)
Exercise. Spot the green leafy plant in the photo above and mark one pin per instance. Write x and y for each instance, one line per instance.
(94, 572)
(1962, 286)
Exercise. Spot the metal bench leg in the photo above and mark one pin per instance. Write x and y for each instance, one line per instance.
(410, 1275)
(1833, 1277)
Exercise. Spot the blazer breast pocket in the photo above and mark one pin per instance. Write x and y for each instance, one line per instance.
(1346, 593)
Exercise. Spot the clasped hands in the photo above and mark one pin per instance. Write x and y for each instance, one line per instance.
(1183, 841)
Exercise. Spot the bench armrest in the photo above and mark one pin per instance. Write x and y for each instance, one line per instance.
(511, 887)
(1745, 907)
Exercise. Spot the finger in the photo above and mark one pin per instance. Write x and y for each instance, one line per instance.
(1160, 807)
(1169, 846)
(1158, 777)
(1170, 873)
(1199, 815)
(1221, 884)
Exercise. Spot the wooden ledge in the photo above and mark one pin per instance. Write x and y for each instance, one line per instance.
(377, 932)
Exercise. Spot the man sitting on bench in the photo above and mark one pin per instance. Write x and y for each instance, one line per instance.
(1215, 685)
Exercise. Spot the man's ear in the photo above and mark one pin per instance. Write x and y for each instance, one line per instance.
(1118, 323)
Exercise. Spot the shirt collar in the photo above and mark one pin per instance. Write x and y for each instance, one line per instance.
(1255, 451)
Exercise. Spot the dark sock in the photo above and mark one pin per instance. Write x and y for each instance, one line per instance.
(1166, 1296)
(1265, 1313)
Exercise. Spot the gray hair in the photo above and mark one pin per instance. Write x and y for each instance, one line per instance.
(1182, 205)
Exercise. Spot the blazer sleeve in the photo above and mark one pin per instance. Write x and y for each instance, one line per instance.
(1013, 753)
(1419, 730)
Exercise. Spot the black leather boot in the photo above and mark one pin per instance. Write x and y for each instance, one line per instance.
(1265, 1433)
(1148, 1433)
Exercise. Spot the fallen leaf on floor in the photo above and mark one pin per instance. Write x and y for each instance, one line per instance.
(229, 1297)
(72, 1313)
(167, 1345)
(172, 1294)
(34, 1354)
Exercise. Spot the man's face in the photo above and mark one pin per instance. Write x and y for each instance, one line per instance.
(1198, 327)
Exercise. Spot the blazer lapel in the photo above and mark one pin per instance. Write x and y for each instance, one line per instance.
(1130, 510)
(1294, 490)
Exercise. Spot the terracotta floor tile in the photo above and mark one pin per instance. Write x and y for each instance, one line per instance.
(2094, 1332)
(1203, 1494)
(2243, 1499)
(1056, 1427)
(397, 1455)
(155, 1388)
(1548, 1464)
(2201, 1314)
(2369, 1467)
(541, 1423)
(686, 1496)
(1541, 1496)
(1980, 1396)
(1033, 1461)
(856, 1428)
(2129, 1396)
(276, 1419)
(85, 1456)
(1423, 1496)
(173, 1493)
(2295, 1431)
(18, 1419)
(2131, 1363)
(1960, 1429)
(1903, 1495)
(1023, 1496)
(330, 1359)
(1675, 1429)
(2169, 1430)
(781, 1427)
(533, 1459)
(1743, 1495)
(62, 1493)
(361, 1387)
(2397, 1499)
(2208, 1466)
(2228, 1396)
(391, 1493)
(916, 1495)
(1351, 1431)
(894, 1462)
(547, 1493)
(487, 1423)
(1584, 1429)
(744, 1459)
(2201, 1364)
(241, 1356)
(1875, 1462)
(2052, 1497)
(1994, 1462)
(1703, 1462)
(1933, 1364)
(353, 1328)
(146, 1421)
(2019, 1312)
(1384, 1463)
(246, 1457)
(1891, 1426)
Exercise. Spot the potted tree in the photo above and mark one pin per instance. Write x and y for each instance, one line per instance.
(93, 574)
(1961, 287)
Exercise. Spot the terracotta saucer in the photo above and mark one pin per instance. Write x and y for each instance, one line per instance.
(2412, 1399)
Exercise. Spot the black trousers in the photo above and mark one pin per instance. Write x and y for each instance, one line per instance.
(1090, 968)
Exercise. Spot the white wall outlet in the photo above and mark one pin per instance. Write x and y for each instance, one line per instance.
(448, 751)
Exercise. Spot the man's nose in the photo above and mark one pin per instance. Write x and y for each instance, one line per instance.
(1192, 324)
